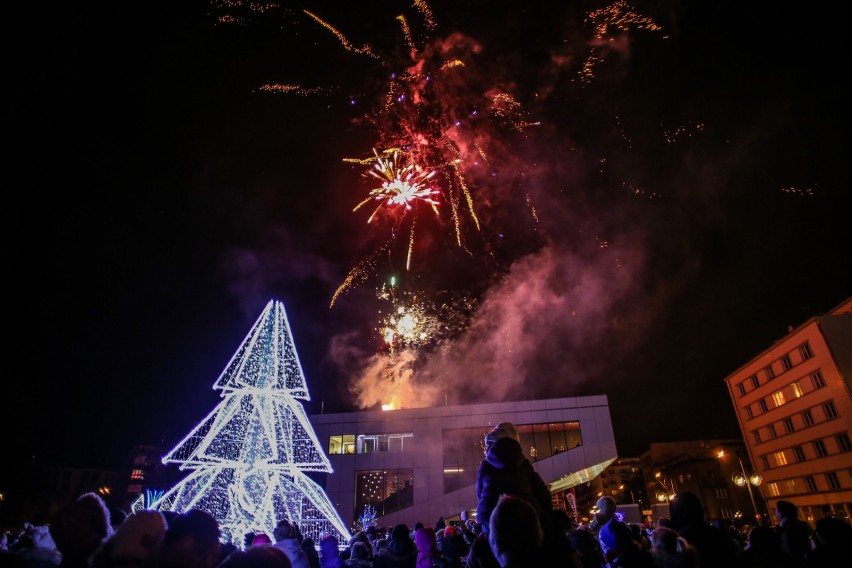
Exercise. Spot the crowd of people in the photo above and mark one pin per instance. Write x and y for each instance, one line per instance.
(515, 526)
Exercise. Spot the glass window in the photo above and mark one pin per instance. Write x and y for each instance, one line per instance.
(754, 381)
(830, 410)
(557, 437)
(741, 389)
(778, 398)
(833, 481)
(799, 453)
(788, 425)
(769, 372)
(542, 441)
(808, 418)
(805, 351)
(819, 448)
(843, 442)
(335, 445)
(771, 431)
(762, 404)
(765, 461)
(772, 488)
(817, 379)
(797, 390)
(137, 474)
(786, 362)
(810, 482)
(780, 459)
(756, 435)
(749, 412)
(388, 490)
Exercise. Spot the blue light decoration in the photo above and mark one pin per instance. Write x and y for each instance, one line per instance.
(248, 457)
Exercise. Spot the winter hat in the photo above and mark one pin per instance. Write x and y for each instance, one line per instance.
(261, 539)
(399, 532)
(139, 536)
(615, 535)
(502, 430)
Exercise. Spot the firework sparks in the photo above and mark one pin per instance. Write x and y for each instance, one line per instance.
(400, 184)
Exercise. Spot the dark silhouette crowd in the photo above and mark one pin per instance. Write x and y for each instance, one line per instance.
(515, 526)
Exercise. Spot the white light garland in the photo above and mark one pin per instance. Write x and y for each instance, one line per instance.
(247, 458)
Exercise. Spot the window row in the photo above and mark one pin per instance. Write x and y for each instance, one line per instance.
(368, 443)
(828, 481)
(794, 423)
(816, 449)
(793, 391)
(783, 364)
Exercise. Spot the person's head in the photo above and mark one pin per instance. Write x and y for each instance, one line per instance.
(763, 538)
(605, 509)
(786, 511)
(664, 522)
(425, 539)
(139, 538)
(831, 531)
(284, 530)
(686, 510)
(261, 539)
(502, 430)
(464, 516)
(360, 550)
(514, 531)
(79, 527)
(400, 532)
(257, 557)
(664, 539)
(454, 546)
(192, 541)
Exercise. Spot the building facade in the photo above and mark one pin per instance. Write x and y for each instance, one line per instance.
(420, 464)
(794, 408)
(707, 468)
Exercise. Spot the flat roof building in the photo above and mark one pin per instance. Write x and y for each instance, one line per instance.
(420, 464)
(794, 407)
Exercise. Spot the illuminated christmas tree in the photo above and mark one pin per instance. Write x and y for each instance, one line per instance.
(247, 458)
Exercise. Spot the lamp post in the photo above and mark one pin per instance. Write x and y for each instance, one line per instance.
(741, 478)
(669, 489)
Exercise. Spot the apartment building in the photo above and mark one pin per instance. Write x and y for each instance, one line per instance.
(794, 408)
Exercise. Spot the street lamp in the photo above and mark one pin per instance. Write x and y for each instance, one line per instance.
(743, 479)
(669, 489)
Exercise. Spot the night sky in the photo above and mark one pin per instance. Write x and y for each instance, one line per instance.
(671, 213)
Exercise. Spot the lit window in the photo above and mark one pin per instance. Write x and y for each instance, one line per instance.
(797, 389)
(808, 418)
(819, 448)
(754, 381)
(778, 398)
(772, 488)
(805, 351)
(817, 379)
(741, 388)
(843, 442)
(137, 474)
(769, 372)
(762, 404)
(344, 444)
(799, 453)
(833, 481)
(780, 459)
(786, 362)
(788, 425)
(721, 493)
(810, 482)
(830, 410)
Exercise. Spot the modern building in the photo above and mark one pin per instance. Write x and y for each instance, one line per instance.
(794, 407)
(420, 464)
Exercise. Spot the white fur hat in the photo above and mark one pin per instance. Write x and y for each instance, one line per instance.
(140, 536)
(502, 430)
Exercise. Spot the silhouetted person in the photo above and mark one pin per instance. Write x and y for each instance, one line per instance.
(794, 534)
(515, 533)
(191, 541)
(79, 528)
(257, 557)
(715, 548)
(832, 544)
(763, 549)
